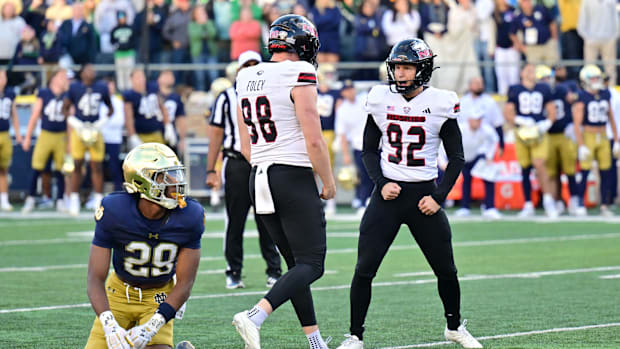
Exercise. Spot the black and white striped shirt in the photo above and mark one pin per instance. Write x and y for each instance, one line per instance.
(224, 115)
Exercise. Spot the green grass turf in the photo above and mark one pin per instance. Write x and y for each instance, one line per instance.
(400, 314)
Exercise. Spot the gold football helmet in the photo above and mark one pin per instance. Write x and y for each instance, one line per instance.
(231, 70)
(347, 177)
(89, 134)
(219, 85)
(544, 74)
(154, 171)
(591, 77)
(327, 74)
(530, 135)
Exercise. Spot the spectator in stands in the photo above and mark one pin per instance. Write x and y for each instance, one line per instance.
(105, 20)
(244, 34)
(34, 16)
(486, 29)
(236, 6)
(598, 26)
(505, 54)
(326, 17)
(370, 44)
(298, 9)
(434, 15)
(535, 34)
(400, 22)
(149, 42)
(11, 26)
(456, 46)
(27, 52)
(571, 42)
(113, 136)
(59, 12)
(203, 48)
(122, 38)
(223, 20)
(175, 31)
(78, 38)
(50, 45)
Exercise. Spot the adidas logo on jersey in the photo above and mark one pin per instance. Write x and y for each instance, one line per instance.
(426, 111)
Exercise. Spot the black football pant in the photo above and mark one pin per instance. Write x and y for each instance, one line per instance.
(237, 197)
(298, 229)
(379, 227)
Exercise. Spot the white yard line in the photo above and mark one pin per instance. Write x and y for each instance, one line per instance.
(417, 273)
(617, 276)
(515, 334)
(341, 287)
(354, 249)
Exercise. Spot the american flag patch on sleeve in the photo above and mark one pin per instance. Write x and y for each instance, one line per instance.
(307, 77)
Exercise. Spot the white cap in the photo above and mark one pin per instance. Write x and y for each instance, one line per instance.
(249, 56)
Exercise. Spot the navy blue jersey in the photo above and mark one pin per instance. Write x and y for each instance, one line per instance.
(52, 118)
(530, 103)
(595, 107)
(146, 251)
(87, 99)
(563, 115)
(146, 113)
(174, 106)
(570, 85)
(7, 97)
(504, 26)
(326, 105)
(535, 28)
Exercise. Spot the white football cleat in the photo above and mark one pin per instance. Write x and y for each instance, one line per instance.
(560, 207)
(352, 342)
(462, 212)
(528, 210)
(60, 206)
(462, 337)
(573, 204)
(247, 330)
(549, 206)
(581, 211)
(271, 280)
(606, 212)
(28, 205)
(74, 204)
(6, 207)
(491, 213)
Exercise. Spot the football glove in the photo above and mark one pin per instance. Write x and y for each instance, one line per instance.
(134, 141)
(170, 135)
(139, 336)
(616, 149)
(75, 123)
(524, 121)
(114, 333)
(583, 152)
(544, 126)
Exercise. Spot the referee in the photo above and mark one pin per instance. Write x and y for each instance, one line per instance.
(225, 134)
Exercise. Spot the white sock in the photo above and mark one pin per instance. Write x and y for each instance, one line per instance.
(4, 198)
(258, 315)
(316, 341)
(75, 197)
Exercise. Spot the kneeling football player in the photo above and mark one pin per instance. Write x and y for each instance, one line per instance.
(154, 233)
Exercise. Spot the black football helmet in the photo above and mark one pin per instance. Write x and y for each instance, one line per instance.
(411, 51)
(294, 33)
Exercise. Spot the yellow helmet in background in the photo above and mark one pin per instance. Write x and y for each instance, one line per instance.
(591, 77)
(219, 85)
(231, 71)
(327, 74)
(544, 74)
(149, 169)
(383, 72)
(347, 177)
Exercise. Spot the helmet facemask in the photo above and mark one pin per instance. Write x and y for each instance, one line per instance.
(166, 187)
(424, 68)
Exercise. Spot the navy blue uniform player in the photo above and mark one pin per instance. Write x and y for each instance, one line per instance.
(155, 234)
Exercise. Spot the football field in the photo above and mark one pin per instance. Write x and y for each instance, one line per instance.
(524, 284)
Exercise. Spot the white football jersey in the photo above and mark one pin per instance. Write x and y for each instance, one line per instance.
(410, 130)
(264, 96)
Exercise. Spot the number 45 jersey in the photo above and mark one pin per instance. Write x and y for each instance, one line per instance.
(264, 96)
(410, 130)
(145, 250)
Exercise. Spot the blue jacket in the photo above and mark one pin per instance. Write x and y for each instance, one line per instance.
(82, 46)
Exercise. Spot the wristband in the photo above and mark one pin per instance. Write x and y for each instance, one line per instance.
(211, 171)
(167, 311)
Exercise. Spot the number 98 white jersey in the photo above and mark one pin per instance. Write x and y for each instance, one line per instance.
(410, 130)
(264, 96)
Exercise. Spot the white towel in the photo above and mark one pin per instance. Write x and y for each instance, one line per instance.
(262, 192)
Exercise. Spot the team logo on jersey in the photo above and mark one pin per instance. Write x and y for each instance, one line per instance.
(99, 213)
(406, 110)
(159, 298)
(153, 236)
(260, 72)
(426, 111)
